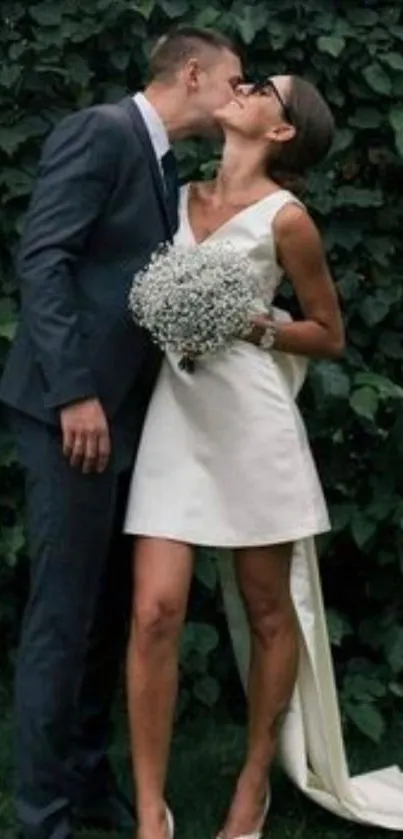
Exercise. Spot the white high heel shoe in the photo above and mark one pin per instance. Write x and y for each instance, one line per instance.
(258, 833)
(170, 822)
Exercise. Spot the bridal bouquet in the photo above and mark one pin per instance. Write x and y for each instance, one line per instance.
(195, 301)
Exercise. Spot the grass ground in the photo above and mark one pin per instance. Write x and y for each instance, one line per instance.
(205, 759)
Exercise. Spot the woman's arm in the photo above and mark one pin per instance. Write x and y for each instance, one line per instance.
(301, 255)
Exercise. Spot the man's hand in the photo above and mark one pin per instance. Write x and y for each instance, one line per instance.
(86, 440)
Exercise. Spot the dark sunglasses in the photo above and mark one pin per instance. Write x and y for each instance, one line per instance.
(265, 88)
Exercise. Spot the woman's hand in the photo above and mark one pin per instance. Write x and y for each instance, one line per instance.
(258, 326)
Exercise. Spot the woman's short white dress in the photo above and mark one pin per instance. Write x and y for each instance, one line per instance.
(224, 459)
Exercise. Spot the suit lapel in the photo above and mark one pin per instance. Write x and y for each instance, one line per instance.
(144, 137)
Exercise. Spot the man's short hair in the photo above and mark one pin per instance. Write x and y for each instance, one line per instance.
(175, 48)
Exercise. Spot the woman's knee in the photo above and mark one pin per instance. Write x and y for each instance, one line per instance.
(158, 622)
(271, 616)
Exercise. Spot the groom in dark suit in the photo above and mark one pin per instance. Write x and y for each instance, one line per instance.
(77, 384)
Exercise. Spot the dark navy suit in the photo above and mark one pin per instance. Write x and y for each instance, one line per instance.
(98, 211)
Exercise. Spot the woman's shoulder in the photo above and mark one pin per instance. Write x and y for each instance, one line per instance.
(293, 223)
(281, 207)
(291, 204)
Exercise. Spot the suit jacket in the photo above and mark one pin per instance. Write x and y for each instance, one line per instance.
(97, 213)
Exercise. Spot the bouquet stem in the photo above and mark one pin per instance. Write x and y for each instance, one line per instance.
(187, 363)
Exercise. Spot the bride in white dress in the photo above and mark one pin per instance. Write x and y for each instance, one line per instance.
(224, 461)
(224, 458)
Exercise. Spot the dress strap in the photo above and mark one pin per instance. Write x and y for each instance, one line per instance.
(278, 200)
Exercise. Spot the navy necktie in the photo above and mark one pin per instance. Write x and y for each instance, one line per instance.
(171, 179)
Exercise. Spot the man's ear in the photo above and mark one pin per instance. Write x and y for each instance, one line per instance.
(191, 73)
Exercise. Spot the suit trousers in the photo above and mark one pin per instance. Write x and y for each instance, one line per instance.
(73, 631)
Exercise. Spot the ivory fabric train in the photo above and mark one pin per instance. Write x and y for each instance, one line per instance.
(312, 749)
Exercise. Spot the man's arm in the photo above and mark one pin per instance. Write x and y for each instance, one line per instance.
(75, 177)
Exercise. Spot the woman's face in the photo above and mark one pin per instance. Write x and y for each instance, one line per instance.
(259, 111)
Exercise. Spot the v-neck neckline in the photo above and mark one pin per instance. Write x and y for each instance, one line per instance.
(229, 221)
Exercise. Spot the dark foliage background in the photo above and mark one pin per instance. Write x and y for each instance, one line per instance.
(56, 56)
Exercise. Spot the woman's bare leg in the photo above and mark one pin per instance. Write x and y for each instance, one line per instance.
(264, 581)
(162, 575)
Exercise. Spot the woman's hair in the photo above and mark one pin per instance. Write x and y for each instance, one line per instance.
(314, 131)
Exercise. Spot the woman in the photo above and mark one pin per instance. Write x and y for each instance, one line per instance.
(224, 459)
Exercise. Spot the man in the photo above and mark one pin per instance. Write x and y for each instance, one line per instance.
(78, 381)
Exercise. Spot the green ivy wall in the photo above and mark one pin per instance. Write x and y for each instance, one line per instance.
(65, 54)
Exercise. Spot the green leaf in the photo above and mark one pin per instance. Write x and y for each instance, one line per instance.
(358, 197)
(207, 690)
(383, 506)
(199, 636)
(374, 310)
(341, 515)
(249, 23)
(396, 121)
(385, 388)
(371, 634)
(113, 92)
(391, 344)
(16, 183)
(79, 70)
(173, 8)
(280, 35)
(362, 17)
(368, 720)
(331, 44)
(396, 689)
(182, 703)
(393, 60)
(9, 75)
(364, 402)
(363, 529)
(382, 250)
(11, 138)
(330, 379)
(339, 627)
(363, 682)
(377, 79)
(207, 17)
(341, 26)
(343, 139)
(345, 236)
(11, 543)
(47, 14)
(145, 8)
(394, 649)
(366, 118)
(120, 59)
(350, 284)
(250, 20)
(206, 571)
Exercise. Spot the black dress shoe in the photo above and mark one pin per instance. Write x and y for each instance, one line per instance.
(111, 812)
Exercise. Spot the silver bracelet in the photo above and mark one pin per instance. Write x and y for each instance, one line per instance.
(269, 336)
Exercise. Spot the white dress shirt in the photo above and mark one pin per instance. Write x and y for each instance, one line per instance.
(155, 127)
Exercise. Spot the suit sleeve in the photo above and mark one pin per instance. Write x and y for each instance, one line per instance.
(76, 174)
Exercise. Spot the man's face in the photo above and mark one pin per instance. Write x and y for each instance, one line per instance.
(216, 85)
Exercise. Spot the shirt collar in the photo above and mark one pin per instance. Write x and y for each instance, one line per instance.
(154, 125)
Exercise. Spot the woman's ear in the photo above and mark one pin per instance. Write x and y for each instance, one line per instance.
(282, 133)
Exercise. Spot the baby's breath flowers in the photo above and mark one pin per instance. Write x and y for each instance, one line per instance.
(195, 301)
